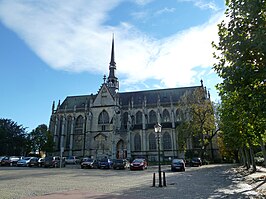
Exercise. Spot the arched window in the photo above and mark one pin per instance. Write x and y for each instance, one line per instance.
(178, 115)
(166, 116)
(79, 125)
(167, 144)
(139, 117)
(68, 131)
(103, 118)
(152, 117)
(137, 142)
(152, 142)
(125, 119)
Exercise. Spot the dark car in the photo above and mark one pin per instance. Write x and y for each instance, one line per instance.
(178, 165)
(138, 164)
(89, 163)
(10, 161)
(120, 164)
(34, 162)
(196, 162)
(54, 161)
(105, 163)
(40, 162)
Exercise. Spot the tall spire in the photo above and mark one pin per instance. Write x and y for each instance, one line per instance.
(112, 80)
(112, 62)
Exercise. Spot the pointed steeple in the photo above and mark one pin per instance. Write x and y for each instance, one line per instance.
(112, 62)
(112, 80)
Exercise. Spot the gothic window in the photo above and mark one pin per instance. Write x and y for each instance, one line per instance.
(68, 131)
(152, 142)
(79, 125)
(103, 118)
(125, 120)
(167, 144)
(139, 117)
(152, 117)
(178, 115)
(166, 116)
(137, 142)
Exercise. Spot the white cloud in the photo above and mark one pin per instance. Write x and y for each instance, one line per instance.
(71, 35)
(143, 2)
(203, 4)
(165, 10)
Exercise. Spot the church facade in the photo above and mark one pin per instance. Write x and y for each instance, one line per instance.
(118, 124)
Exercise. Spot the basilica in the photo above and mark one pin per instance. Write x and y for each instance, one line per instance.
(117, 124)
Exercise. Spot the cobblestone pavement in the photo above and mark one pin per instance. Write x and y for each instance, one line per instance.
(210, 181)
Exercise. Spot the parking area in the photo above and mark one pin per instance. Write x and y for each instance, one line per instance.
(211, 181)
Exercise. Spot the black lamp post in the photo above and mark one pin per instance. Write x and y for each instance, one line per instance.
(158, 130)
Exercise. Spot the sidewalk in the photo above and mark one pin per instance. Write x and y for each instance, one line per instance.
(258, 180)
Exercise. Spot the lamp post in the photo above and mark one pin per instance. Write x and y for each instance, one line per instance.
(158, 130)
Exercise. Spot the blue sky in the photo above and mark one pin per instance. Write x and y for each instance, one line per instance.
(53, 49)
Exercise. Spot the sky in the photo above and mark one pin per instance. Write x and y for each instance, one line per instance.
(52, 49)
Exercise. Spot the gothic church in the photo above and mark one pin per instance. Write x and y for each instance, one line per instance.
(118, 124)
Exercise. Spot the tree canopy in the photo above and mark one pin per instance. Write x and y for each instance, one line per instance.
(13, 138)
(241, 64)
(197, 120)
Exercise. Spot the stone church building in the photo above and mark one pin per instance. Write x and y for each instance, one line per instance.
(118, 124)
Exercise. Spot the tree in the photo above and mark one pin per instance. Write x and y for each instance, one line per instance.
(41, 139)
(241, 64)
(13, 138)
(197, 116)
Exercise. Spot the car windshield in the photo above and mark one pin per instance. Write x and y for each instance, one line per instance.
(138, 160)
(119, 161)
(196, 159)
(27, 158)
(177, 160)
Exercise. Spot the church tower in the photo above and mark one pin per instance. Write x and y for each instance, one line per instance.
(112, 80)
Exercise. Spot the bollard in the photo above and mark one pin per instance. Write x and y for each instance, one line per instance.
(153, 181)
(164, 180)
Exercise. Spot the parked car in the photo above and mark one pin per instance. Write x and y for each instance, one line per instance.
(10, 161)
(178, 165)
(24, 162)
(54, 161)
(40, 162)
(120, 164)
(89, 163)
(105, 163)
(138, 164)
(196, 162)
(34, 162)
(72, 160)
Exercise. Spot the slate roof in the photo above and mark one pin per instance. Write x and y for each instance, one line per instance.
(152, 95)
(138, 97)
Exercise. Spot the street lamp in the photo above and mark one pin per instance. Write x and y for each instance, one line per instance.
(158, 130)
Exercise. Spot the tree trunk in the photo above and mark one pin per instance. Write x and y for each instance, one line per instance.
(243, 157)
(251, 153)
(262, 146)
(247, 158)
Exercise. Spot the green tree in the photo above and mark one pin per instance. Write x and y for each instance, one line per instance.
(197, 120)
(13, 138)
(41, 139)
(241, 64)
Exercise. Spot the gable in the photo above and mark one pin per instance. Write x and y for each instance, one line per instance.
(104, 97)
